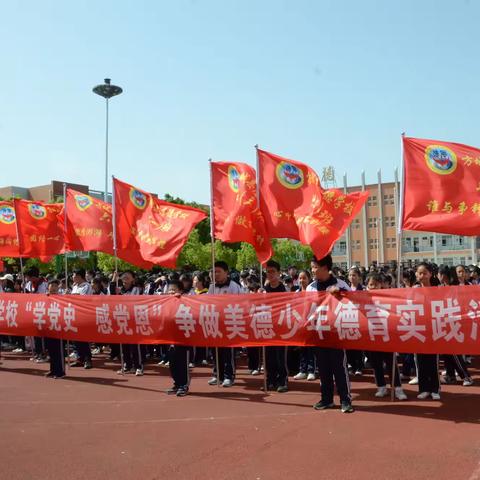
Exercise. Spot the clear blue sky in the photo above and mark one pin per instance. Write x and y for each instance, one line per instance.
(324, 82)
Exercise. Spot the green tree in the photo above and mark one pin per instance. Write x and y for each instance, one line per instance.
(246, 257)
(106, 263)
(290, 252)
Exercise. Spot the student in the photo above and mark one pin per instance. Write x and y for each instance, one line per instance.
(427, 364)
(201, 282)
(332, 362)
(307, 354)
(408, 278)
(379, 359)
(132, 353)
(453, 363)
(275, 357)
(35, 284)
(55, 345)
(82, 287)
(178, 355)
(224, 286)
(355, 358)
(462, 275)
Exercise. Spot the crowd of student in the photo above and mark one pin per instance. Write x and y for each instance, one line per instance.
(332, 366)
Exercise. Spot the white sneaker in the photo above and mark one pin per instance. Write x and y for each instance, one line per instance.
(73, 356)
(166, 364)
(423, 395)
(435, 396)
(300, 376)
(161, 363)
(255, 373)
(467, 382)
(400, 394)
(18, 350)
(204, 363)
(212, 381)
(413, 381)
(310, 377)
(381, 392)
(358, 373)
(443, 373)
(443, 380)
(191, 365)
(227, 383)
(138, 372)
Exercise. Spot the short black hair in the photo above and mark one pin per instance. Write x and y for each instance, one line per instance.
(79, 271)
(273, 264)
(326, 261)
(376, 277)
(54, 282)
(221, 264)
(131, 272)
(32, 272)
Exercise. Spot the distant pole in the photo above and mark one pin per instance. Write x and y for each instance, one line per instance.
(107, 91)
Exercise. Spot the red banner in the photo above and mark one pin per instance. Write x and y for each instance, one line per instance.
(295, 205)
(441, 187)
(237, 217)
(155, 228)
(417, 320)
(39, 233)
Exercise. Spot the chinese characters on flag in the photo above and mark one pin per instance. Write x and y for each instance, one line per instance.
(8, 230)
(237, 217)
(39, 232)
(441, 187)
(295, 205)
(155, 228)
(88, 227)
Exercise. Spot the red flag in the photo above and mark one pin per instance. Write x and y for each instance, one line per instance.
(39, 232)
(88, 223)
(8, 230)
(295, 205)
(237, 217)
(441, 190)
(88, 227)
(155, 228)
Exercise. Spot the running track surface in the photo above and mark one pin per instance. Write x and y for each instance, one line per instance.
(98, 425)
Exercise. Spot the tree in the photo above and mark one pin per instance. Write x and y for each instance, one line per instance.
(246, 257)
(290, 252)
(106, 263)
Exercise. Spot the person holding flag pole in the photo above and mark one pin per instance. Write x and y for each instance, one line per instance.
(224, 372)
(114, 231)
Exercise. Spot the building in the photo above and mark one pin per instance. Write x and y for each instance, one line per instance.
(43, 193)
(372, 237)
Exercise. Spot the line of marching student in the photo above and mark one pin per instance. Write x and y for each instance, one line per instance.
(332, 366)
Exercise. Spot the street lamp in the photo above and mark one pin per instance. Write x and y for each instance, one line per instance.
(107, 91)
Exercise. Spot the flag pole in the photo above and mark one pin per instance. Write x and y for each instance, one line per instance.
(65, 223)
(24, 286)
(264, 350)
(212, 235)
(114, 225)
(399, 210)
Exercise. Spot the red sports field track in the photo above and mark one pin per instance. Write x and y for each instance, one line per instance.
(98, 425)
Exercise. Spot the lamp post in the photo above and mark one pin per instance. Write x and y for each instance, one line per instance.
(107, 91)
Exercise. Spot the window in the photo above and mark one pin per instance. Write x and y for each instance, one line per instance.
(389, 221)
(372, 201)
(356, 245)
(372, 222)
(391, 243)
(356, 223)
(389, 199)
(373, 244)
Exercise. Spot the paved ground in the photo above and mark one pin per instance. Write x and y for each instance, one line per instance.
(98, 425)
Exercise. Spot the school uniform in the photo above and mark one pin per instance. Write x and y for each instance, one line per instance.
(355, 358)
(133, 354)
(37, 285)
(276, 357)
(332, 362)
(226, 356)
(83, 348)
